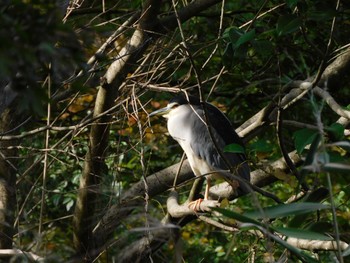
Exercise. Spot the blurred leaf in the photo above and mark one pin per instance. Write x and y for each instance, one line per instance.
(56, 199)
(292, 3)
(321, 227)
(236, 48)
(285, 177)
(302, 138)
(317, 195)
(301, 233)
(322, 15)
(236, 216)
(261, 146)
(288, 24)
(246, 37)
(318, 163)
(285, 210)
(232, 34)
(234, 148)
(336, 167)
(263, 48)
(336, 130)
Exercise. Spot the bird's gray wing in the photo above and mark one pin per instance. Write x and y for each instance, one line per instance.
(223, 134)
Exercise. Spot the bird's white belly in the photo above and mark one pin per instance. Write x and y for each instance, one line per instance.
(182, 132)
(198, 165)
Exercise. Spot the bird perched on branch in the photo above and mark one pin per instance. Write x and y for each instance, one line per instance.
(203, 131)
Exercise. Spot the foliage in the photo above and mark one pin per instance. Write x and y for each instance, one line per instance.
(241, 57)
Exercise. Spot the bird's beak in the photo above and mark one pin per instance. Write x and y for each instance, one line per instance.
(161, 112)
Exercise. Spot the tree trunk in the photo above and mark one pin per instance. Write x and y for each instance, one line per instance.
(7, 181)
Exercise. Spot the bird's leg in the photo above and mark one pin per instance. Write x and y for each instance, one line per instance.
(207, 187)
(195, 205)
(196, 188)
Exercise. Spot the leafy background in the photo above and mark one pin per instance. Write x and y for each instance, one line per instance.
(245, 54)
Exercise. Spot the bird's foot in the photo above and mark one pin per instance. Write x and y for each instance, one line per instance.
(196, 205)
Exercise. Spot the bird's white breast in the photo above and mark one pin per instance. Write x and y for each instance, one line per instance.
(182, 131)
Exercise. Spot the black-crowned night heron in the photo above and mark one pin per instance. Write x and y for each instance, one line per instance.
(188, 123)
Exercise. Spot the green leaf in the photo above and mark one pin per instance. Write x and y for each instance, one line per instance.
(321, 227)
(236, 216)
(323, 15)
(292, 3)
(336, 130)
(262, 146)
(301, 233)
(284, 210)
(246, 37)
(302, 138)
(232, 34)
(288, 24)
(311, 154)
(245, 219)
(234, 148)
(263, 48)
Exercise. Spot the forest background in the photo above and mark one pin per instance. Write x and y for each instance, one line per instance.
(87, 176)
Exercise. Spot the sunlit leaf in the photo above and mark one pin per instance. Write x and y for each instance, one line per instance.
(234, 148)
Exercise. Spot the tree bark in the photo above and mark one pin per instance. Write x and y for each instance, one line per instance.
(7, 181)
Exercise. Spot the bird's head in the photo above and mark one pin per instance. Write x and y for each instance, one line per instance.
(174, 106)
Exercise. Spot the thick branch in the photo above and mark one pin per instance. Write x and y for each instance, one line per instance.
(8, 120)
(334, 74)
(184, 14)
(312, 245)
(176, 210)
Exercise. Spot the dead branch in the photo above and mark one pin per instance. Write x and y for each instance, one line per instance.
(312, 245)
(335, 72)
(5, 253)
(332, 103)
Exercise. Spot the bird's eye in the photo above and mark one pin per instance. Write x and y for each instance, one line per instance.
(174, 106)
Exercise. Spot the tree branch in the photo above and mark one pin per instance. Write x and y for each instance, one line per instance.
(94, 165)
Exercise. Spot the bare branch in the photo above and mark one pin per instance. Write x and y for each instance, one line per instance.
(16, 252)
(331, 102)
(312, 245)
(176, 210)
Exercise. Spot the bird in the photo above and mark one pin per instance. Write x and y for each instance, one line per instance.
(203, 131)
